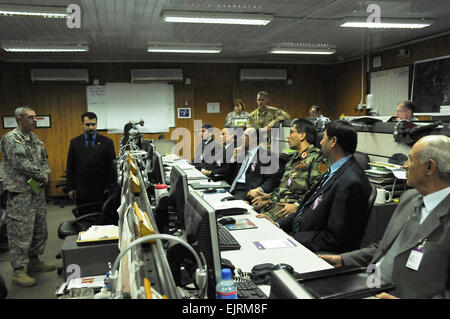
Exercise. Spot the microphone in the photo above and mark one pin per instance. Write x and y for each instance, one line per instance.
(140, 122)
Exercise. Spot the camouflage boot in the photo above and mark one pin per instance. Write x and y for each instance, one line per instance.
(22, 279)
(36, 265)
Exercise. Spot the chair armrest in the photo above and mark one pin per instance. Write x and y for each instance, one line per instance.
(87, 216)
(94, 205)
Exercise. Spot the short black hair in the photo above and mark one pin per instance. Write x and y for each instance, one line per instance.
(207, 126)
(89, 115)
(345, 133)
(306, 126)
(409, 105)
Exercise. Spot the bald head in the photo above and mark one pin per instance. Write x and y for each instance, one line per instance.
(436, 147)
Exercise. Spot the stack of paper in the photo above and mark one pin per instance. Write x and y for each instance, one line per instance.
(100, 232)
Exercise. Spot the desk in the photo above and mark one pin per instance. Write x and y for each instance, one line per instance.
(91, 259)
(302, 259)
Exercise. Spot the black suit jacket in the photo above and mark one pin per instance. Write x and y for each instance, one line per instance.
(338, 222)
(261, 172)
(90, 174)
(206, 155)
(222, 166)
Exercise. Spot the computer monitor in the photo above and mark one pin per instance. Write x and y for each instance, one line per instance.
(201, 233)
(178, 192)
(157, 174)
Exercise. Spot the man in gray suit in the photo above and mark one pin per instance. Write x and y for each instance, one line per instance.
(414, 252)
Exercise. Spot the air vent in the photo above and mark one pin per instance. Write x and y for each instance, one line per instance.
(148, 75)
(263, 74)
(59, 75)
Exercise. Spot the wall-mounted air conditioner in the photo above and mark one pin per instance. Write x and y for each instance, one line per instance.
(59, 75)
(144, 75)
(263, 74)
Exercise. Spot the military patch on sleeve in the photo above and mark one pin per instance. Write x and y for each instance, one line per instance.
(322, 168)
(304, 154)
(18, 141)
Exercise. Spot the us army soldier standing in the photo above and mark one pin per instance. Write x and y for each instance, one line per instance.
(302, 173)
(25, 163)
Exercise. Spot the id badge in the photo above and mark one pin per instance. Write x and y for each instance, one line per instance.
(289, 182)
(253, 167)
(415, 258)
(316, 202)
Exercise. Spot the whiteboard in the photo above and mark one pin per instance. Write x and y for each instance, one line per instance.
(389, 87)
(96, 102)
(118, 103)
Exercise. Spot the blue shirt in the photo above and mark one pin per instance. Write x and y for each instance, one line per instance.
(336, 166)
(93, 138)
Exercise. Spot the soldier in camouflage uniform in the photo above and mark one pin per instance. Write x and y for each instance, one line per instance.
(25, 158)
(301, 174)
(266, 116)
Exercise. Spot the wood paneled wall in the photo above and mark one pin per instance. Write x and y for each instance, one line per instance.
(210, 83)
(336, 88)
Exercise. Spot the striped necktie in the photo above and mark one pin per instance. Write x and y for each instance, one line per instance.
(299, 214)
(408, 230)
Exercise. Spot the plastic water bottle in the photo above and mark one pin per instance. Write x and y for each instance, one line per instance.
(226, 288)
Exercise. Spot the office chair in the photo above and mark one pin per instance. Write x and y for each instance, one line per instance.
(362, 159)
(105, 216)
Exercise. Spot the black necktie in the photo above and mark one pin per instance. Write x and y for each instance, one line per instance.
(90, 147)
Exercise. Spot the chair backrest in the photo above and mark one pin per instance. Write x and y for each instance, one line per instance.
(108, 213)
(373, 195)
(362, 159)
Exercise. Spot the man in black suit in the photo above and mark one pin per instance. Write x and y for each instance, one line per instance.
(90, 168)
(256, 169)
(334, 216)
(208, 150)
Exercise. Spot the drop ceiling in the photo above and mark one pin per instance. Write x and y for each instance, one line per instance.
(119, 30)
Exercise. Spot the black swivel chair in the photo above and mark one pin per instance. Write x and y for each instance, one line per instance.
(105, 216)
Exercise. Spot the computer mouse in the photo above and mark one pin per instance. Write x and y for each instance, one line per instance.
(210, 190)
(225, 199)
(227, 221)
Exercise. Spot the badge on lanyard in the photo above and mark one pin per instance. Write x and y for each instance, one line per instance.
(415, 257)
(253, 166)
(316, 201)
(289, 182)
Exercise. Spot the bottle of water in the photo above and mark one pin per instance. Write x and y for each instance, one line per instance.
(226, 288)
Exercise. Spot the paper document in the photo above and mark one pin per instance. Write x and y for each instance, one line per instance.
(230, 204)
(87, 282)
(274, 243)
(100, 232)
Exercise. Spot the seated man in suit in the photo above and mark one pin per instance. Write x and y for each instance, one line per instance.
(302, 173)
(414, 252)
(334, 216)
(256, 168)
(208, 150)
(221, 165)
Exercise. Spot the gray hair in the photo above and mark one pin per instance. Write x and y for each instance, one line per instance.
(20, 111)
(438, 148)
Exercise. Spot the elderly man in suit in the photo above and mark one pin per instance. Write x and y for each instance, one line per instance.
(90, 167)
(256, 169)
(334, 215)
(414, 252)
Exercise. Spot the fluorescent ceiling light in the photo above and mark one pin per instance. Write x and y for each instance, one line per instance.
(28, 47)
(184, 49)
(34, 11)
(303, 50)
(386, 23)
(216, 17)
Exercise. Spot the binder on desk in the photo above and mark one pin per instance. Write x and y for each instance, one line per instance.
(142, 222)
(341, 283)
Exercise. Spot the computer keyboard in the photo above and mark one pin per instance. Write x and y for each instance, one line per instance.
(226, 240)
(247, 289)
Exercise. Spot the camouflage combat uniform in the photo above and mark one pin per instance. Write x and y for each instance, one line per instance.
(301, 174)
(24, 158)
(233, 116)
(270, 116)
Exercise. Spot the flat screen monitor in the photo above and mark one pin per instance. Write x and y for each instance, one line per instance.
(157, 174)
(178, 192)
(201, 233)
